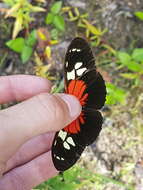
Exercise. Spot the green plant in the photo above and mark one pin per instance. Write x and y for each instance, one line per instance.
(23, 46)
(21, 10)
(69, 181)
(58, 87)
(139, 14)
(2, 59)
(115, 94)
(78, 178)
(134, 63)
(55, 18)
(74, 14)
(93, 33)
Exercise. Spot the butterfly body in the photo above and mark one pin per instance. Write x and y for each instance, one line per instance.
(83, 81)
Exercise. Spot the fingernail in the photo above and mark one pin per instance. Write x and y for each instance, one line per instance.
(73, 104)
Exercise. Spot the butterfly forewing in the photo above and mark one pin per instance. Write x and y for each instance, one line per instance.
(83, 81)
(95, 88)
(78, 55)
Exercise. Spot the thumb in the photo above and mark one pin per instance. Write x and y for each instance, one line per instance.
(40, 114)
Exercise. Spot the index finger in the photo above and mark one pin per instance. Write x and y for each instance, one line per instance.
(21, 87)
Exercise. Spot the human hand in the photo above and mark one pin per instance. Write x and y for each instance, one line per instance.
(27, 130)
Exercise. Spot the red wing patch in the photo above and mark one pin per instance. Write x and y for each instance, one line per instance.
(83, 81)
(77, 88)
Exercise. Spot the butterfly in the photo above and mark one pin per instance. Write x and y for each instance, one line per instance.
(83, 81)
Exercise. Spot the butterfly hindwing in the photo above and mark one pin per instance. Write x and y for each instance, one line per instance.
(66, 154)
(83, 81)
(66, 151)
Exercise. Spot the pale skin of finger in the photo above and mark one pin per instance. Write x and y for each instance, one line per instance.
(27, 151)
(37, 116)
(21, 87)
(29, 175)
(32, 117)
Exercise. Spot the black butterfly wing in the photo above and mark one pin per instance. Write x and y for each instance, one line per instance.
(90, 121)
(78, 51)
(64, 158)
(83, 81)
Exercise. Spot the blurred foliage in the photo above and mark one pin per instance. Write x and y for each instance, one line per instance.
(129, 67)
(43, 54)
(56, 19)
(58, 87)
(74, 14)
(21, 10)
(79, 178)
(92, 32)
(41, 69)
(115, 94)
(139, 15)
(23, 46)
(134, 63)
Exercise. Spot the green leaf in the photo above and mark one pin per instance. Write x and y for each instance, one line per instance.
(124, 57)
(16, 44)
(56, 7)
(137, 54)
(49, 18)
(115, 94)
(9, 2)
(129, 75)
(110, 100)
(54, 33)
(36, 9)
(32, 39)
(139, 14)
(133, 66)
(59, 22)
(26, 53)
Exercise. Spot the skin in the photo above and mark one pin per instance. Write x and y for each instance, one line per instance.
(27, 129)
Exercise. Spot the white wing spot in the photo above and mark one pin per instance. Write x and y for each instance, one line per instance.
(55, 143)
(71, 75)
(70, 141)
(62, 135)
(58, 157)
(74, 49)
(66, 146)
(80, 71)
(67, 64)
(78, 65)
(62, 158)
